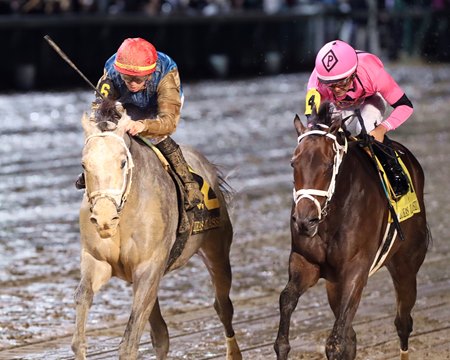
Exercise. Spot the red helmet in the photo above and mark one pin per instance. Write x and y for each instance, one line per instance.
(335, 61)
(136, 57)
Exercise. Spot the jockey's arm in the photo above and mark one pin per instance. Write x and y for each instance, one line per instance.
(169, 107)
(403, 109)
(396, 97)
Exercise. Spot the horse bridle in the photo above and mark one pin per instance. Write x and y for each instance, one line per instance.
(310, 194)
(117, 196)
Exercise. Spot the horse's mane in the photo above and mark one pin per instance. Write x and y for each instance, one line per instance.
(323, 117)
(106, 113)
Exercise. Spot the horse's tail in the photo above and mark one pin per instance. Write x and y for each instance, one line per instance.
(224, 186)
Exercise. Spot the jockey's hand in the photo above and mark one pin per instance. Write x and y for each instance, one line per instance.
(134, 127)
(365, 140)
(378, 133)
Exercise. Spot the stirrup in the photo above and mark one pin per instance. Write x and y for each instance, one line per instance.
(399, 185)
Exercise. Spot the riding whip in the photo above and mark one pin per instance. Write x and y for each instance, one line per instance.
(67, 60)
(372, 155)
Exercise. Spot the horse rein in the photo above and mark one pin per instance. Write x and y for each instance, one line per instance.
(117, 196)
(310, 194)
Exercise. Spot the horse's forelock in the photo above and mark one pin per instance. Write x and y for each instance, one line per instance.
(106, 126)
(326, 114)
(321, 117)
(106, 114)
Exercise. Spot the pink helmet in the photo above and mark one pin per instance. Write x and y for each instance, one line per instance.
(335, 61)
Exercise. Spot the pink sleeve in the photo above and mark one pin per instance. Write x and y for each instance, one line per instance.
(387, 87)
(392, 92)
(397, 117)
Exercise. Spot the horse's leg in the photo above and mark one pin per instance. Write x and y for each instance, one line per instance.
(344, 297)
(403, 268)
(145, 286)
(405, 289)
(159, 332)
(215, 255)
(94, 274)
(349, 342)
(302, 275)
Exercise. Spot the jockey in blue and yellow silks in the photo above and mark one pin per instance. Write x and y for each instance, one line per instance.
(113, 85)
(147, 84)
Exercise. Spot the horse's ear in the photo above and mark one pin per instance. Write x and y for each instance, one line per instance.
(88, 125)
(124, 120)
(336, 125)
(299, 125)
(119, 107)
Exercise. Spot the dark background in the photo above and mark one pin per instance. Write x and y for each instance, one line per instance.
(251, 42)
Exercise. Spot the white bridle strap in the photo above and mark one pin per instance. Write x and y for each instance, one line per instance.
(119, 196)
(309, 194)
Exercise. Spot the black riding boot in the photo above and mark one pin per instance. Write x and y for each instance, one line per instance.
(394, 172)
(80, 183)
(172, 152)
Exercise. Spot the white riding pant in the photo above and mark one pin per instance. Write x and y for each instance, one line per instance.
(372, 111)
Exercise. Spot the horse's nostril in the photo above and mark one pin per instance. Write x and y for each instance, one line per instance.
(93, 220)
(313, 221)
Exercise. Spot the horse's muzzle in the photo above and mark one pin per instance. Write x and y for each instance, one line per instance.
(305, 226)
(105, 217)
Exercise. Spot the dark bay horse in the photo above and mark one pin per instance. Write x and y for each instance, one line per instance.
(128, 225)
(339, 219)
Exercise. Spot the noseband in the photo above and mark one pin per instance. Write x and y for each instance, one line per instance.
(117, 196)
(340, 151)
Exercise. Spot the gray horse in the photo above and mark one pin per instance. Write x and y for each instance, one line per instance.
(128, 225)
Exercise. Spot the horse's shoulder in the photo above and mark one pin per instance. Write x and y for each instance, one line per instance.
(142, 150)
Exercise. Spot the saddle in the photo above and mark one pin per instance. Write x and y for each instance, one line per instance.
(407, 205)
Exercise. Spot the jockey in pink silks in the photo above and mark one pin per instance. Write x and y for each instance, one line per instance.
(352, 79)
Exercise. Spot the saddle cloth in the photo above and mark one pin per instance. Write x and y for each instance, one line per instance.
(407, 205)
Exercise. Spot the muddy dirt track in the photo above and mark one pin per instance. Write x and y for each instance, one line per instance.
(245, 127)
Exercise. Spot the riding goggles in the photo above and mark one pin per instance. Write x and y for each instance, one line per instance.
(135, 79)
(341, 84)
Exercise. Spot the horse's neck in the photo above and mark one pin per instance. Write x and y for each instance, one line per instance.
(148, 169)
(357, 170)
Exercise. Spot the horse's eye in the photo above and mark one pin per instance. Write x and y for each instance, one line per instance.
(83, 166)
(122, 165)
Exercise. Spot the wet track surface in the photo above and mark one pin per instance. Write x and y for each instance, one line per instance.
(246, 127)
